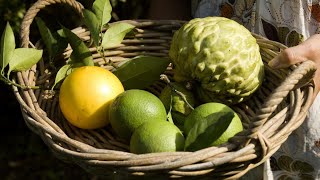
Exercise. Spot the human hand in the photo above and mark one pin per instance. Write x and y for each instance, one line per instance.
(307, 50)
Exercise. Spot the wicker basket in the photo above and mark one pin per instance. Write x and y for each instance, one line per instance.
(269, 117)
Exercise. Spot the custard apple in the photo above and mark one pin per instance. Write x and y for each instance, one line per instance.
(220, 56)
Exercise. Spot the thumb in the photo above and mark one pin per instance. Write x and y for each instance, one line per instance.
(289, 56)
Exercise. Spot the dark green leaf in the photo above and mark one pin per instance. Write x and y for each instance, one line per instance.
(142, 71)
(207, 130)
(115, 34)
(45, 35)
(73, 61)
(7, 46)
(60, 46)
(54, 43)
(63, 72)
(123, 62)
(81, 52)
(93, 25)
(24, 58)
(102, 9)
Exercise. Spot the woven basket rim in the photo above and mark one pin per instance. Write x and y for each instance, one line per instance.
(251, 143)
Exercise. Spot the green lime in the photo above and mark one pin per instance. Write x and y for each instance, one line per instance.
(132, 108)
(211, 124)
(157, 136)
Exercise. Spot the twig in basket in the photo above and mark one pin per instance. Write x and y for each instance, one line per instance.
(9, 82)
(184, 98)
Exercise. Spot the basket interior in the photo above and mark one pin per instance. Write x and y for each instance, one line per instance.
(153, 38)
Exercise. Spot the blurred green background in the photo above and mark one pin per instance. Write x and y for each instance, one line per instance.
(23, 155)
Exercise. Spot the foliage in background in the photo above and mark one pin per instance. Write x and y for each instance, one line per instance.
(12, 11)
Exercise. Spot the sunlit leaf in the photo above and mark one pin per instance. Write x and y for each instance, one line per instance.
(63, 72)
(115, 34)
(7, 46)
(102, 9)
(24, 58)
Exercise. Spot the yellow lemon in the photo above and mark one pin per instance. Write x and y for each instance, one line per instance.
(86, 94)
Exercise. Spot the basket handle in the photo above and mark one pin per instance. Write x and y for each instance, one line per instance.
(302, 74)
(34, 9)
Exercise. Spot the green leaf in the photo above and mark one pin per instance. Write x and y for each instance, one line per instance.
(142, 71)
(63, 72)
(207, 130)
(24, 58)
(45, 35)
(73, 61)
(93, 25)
(61, 33)
(7, 46)
(55, 44)
(81, 52)
(102, 9)
(169, 117)
(115, 34)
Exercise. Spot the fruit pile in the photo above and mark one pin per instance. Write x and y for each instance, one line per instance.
(216, 63)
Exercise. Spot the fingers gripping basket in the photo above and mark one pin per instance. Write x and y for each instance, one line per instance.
(269, 117)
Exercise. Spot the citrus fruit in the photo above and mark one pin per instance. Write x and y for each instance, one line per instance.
(171, 97)
(132, 108)
(86, 94)
(158, 136)
(211, 124)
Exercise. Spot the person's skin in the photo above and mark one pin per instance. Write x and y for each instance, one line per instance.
(307, 50)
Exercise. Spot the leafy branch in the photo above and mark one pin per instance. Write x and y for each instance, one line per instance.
(138, 72)
(97, 19)
(15, 59)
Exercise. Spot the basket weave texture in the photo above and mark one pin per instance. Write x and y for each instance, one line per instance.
(269, 116)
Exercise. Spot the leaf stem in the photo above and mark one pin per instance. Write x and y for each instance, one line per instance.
(167, 80)
(9, 82)
(183, 97)
(101, 51)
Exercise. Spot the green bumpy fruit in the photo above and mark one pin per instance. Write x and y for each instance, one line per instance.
(221, 56)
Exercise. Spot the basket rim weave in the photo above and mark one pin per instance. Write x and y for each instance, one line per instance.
(245, 151)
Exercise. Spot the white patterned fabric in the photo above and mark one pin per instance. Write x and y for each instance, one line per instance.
(289, 22)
